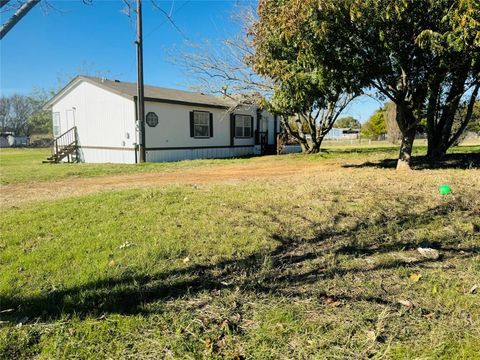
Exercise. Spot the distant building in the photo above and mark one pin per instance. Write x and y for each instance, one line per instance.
(342, 134)
(9, 139)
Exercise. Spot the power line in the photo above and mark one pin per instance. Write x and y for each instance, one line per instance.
(169, 19)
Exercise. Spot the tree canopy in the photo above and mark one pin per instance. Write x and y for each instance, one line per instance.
(347, 122)
(422, 55)
(375, 127)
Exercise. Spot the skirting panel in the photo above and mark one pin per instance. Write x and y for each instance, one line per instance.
(190, 154)
(98, 155)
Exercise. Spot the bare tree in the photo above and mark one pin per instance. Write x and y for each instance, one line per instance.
(224, 68)
(4, 112)
(15, 112)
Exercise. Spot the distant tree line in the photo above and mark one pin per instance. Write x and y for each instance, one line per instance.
(24, 115)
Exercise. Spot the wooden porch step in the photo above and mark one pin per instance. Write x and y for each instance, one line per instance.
(64, 146)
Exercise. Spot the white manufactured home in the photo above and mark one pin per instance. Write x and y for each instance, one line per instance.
(95, 120)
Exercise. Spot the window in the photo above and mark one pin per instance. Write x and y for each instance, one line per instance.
(152, 119)
(243, 126)
(56, 124)
(201, 124)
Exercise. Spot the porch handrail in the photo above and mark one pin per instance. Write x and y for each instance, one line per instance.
(65, 139)
(66, 132)
(258, 136)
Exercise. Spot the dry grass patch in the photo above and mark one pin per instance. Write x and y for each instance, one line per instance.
(321, 264)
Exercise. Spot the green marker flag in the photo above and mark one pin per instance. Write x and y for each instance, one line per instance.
(444, 189)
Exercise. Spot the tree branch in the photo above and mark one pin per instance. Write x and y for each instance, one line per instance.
(17, 16)
(467, 118)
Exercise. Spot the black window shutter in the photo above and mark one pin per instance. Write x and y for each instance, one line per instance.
(192, 134)
(211, 125)
(251, 126)
(232, 129)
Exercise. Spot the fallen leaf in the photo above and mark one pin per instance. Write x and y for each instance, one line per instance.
(186, 260)
(331, 300)
(430, 315)
(225, 326)
(371, 335)
(208, 345)
(415, 277)
(429, 253)
(406, 303)
(126, 245)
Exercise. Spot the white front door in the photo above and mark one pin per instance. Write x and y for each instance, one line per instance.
(70, 119)
(271, 130)
(263, 124)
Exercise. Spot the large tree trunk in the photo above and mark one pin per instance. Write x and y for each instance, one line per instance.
(435, 141)
(436, 147)
(408, 126)
(314, 147)
(406, 148)
(311, 146)
(441, 137)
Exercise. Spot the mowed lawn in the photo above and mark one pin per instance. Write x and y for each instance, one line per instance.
(25, 165)
(319, 264)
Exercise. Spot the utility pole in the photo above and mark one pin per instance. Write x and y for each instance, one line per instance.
(140, 97)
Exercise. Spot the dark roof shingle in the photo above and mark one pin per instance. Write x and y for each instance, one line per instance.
(160, 93)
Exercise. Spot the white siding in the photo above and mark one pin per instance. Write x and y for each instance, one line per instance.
(105, 123)
(190, 154)
(106, 128)
(98, 155)
(173, 129)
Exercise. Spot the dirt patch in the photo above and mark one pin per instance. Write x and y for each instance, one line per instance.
(20, 193)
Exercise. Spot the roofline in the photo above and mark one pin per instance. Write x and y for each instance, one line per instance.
(48, 105)
(182, 102)
(76, 79)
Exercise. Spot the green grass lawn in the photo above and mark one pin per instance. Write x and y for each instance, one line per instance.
(323, 266)
(25, 165)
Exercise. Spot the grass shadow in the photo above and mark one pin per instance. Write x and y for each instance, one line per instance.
(450, 161)
(287, 272)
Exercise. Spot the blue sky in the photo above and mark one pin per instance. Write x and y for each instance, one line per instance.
(50, 45)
